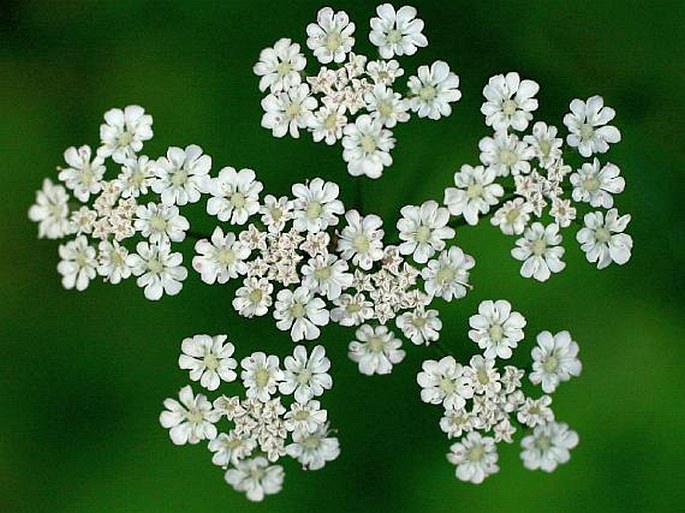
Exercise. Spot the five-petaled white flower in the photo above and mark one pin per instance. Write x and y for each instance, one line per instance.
(301, 313)
(540, 251)
(256, 477)
(596, 186)
(362, 239)
(602, 239)
(448, 275)
(181, 176)
(191, 420)
(509, 102)
(313, 450)
(432, 90)
(545, 144)
(366, 147)
(276, 212)
(375, 350)
(506, 154)
(423, 230)
(159, 270)
(326, 275)
(588, 128)
(161, 223)
(306, 377)
(230, 449)
(397, 32)
(123, 132)
(513, 216)
(351, 310)
(330, 38)
(51, 211)
(444, 382)
(548, 446)
(221, 258)
(254, 297)
(84, 174)
(279, 67)
(496, 329)
(386, 105)
(235, 195)
(555, 360)
(475, 457)
(208, 359)
(137, 175)
(474, 194)
(261, 375)
(328, 122)
(288, 111)
(112, 264)
(420, 326)
(78, 265)
(384, 72)
(316, 205)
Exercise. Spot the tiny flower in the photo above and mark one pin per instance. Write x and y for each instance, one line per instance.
(509, 102)
(306, 377)
(221, 259)
(386, 105)
(375, 350)
(506, 154)
(555, 359)
(351, 310)
(191, 420)
(366, 147)
(254, 297)
(423, 230)
(513, 216)
(326, 275)
(545, 144)
(602, 239)
(362, 239)
(313, 450)
(137, 175)
(124, 132)
(563, 212)
(330, 38)
(112, 264)
(276, 212)
(161, 223)
(540, 251)
(432, 90)
(535, 412)
(83, 176)
(301, 313)
(475, 193)
(181, 175)
(420, 326)
(159, 270)
(548, 446)
(230, 449)
(316, 205)
(51, 211)
(475, 457)
(384, 72)
(448, 275)
(209, 360)
(596, 186)
(305, 417)
(457, 422)
(78, 265)
(484, 376)
(288, 111)
(279, 67)
(328, 123)
(83, 220)
(496, 329)
(588, 128)
(261, 376)
(256, 478)
(397, 32)
(444, 382)
(235, 195)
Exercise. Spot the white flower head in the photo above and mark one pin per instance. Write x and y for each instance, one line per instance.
(597, 186)
(513, 216)
(496, 328)
(288, 111)
(112, 264)
(555, 359)
(423, 230)
(384, 72)
(161, 223)
(448, 275)
(588, 128)
(159, 270)
(51, 211)
(326, 275)
(301, 313)
(261, 376)
(351, 310)
(475, 193)
(209, 360)
(84, 174)
(397, 32)
(78, 265)
(235, 195)
(328, 123)
(181, 176)
(444, 382)
(316, 205)
(506, 154)
(137, 175)
(253, 299)
(386, 105)
(362, 239)
(420, 326)
(191, 420)
(256, 477)
(330, 38)
(366, 147)
(545, 144)
(230, 449)
(124, 132)
(475, 457)
(602, 239)
(548, 447)
(305, 417)
(432, 90)
(276, 212)
(509, 102)
(535, 412)
(375, 350)
(305, 376)
(540, 251)
(279, 67)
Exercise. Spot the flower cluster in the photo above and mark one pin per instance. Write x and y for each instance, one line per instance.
(276, 415)
(483, 402)
(532, 176)
(352, 98)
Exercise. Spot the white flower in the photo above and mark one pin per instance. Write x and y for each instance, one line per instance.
(230, 448)
(384, 72)
(540, 251)
(444, 382)
(208, 359)
(83, 220)
(137, 175)
(484, 376)
(306, 377)
(328, 123)
(366, 147)
(420, 326)
(432, 90)
(276, 212)
(595, 186)
(51, 211)
(375, 350)
(123, 132)
(83, 176)
(562, 211)
(506, 154)
(316, 205)
(181, 176)
(555, 359)
(221, 259)
(448, 275)
(256, 478)
(423, 230)
(351, 310)
(513, 216)
(158, 270)
(313, 450)
(475, 192)
(305, 417)
(235, 195)
(496, 329)
(602, 239)
(279, 67)
(397, 33)
(301, 313)
(545, 144)
(190, 420)
(535, 412)
(587, 124)
(330, 38)
(455, 423)
(548, 446)
(362, 239)
(509, 102)
(161, 223)
(475, 457)
(326, 275)
(78, 265)
(261, 376)
(386, 105)
(254, 297)
(288, 111)
(112, 264)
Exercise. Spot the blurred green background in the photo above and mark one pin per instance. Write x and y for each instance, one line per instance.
(83, 375)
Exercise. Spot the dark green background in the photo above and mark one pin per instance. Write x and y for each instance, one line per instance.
(83, 375)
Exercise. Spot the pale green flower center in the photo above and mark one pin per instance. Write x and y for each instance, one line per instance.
(353, 308)
(509, 107)
(591, 184)
(255, 296)
(284, 68)
(394, 36)
(545, 148)
(311, 442)
(475, 190)
(428, 93)
(512, 216)
(195, 417)
(445, 275)
(602, 235)
(423, 233)
(419, 322)
(482, 376)
(304, 377)
(543, 443)
(157, 223)
(551, 363)
(233, 443)
(447, 386)
(368, 144)
(586, 131)
(538, 247)
(226, 256)
(238, 199)
(333, 41)
(87, 176)
(297, 311)
(361, 243)
(276, 214)
(292, 110)
(301, 415)
(331, 121)
(314, 210)
(385, 109)
(81, 260)
(125, 138)
(179, 177)
(496, 332)
(137, 178)
(476, 453)
(375, 344)
(261, 377)
(155, 266)
(210, 361)
(508, 157)
(323, 273)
